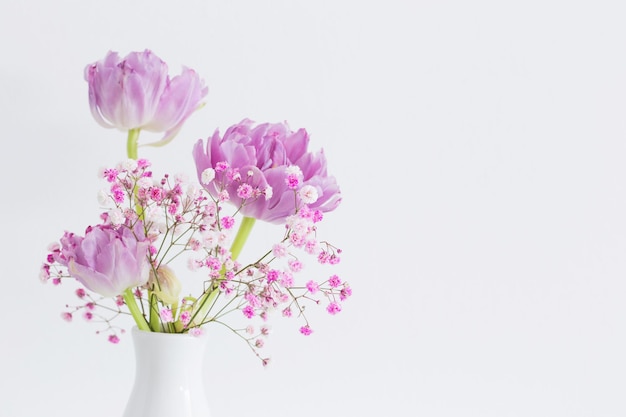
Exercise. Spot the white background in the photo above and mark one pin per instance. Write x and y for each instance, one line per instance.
(480, 149)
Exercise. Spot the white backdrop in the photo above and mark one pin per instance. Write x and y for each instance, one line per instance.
(480, 149)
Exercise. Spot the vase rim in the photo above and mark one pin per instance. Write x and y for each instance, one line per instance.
(137, 331)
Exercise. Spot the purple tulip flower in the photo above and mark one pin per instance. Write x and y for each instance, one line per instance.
(267, 151)
(136, 93)
(107, 260)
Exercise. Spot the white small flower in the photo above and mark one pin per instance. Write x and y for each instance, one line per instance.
(308, 194)
(193, 264)
(116, 216)
(223, 238)
(193, 190)
(54, 246)
(145, 182)
(181, 178)
(294, 170)
(210, 240)
(229, 264)
(207, 176)
(154, 214)
(129, 165)
(103, 197)
(300, 225)
(268, 192)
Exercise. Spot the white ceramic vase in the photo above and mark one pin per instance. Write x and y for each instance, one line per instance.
(168, 376)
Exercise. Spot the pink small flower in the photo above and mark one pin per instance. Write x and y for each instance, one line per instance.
(279, 250)
(185, 318)
(334, 281)
(272, 275)
(287, 312)
(196, 331)
(292, 181)
(117, 193)
(295, 265)
(333, 308)
(224, 195)
(227, 222)
(286, 280)
(312, 287)
(318, 216)
(110, 174)
(245, 191)
(114, 339)
(166, 315)
(306, 330)
(157, 194)
(143, 163)
(248, 311)
(345, 292)
(221, 166)
(88, 315)
(80, 293)
(66, 316)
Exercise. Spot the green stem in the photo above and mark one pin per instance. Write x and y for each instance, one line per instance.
(242, 235)
(155, 320)
(131, 303)
(129, 298)
(131, 143)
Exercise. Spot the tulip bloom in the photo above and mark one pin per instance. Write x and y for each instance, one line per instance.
(136, 92)
(276, 157)
(107, 260)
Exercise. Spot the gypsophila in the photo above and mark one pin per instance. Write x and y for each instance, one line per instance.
(178, 218)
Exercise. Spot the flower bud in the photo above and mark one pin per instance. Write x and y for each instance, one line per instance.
(165, 284)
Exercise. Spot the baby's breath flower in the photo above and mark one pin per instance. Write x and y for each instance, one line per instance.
(308, 194)
(162, 217)
(207, 176)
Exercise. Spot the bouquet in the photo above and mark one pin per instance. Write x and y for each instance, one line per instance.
(124, 264)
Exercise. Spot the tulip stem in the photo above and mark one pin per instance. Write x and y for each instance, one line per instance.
(155, 323)
(131, 303)
(129, 298)
(131, 143)
(242, 235)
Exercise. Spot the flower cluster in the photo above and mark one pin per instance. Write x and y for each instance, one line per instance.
(126, 263)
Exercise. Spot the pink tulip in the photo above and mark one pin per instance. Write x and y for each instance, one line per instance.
(136, 92)
(107, 260)
(269, 152)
